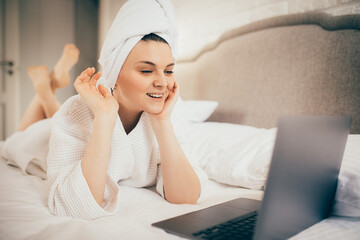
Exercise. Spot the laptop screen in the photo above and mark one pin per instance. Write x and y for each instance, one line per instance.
(303, 174)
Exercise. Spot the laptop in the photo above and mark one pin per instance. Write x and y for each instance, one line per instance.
(299, 192)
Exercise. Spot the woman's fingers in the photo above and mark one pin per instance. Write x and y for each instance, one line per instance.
(85, 83)
(84, 76)
(175, 89)
(171, 99)
(95, 78)
(173, 94)
(97, 75)
(88, 75)
(103, 91)
(90, 71)
(84, 72)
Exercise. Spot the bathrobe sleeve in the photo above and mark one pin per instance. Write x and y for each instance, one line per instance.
(191, 157)
(69, 192)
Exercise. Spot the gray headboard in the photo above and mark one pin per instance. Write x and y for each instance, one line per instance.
(294, 64)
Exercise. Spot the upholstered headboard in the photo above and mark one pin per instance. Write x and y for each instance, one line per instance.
(295, 64)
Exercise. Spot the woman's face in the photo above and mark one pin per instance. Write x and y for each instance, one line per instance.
(146, 78)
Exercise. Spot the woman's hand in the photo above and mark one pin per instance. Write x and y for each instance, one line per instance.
(181, 184)
(165, 114)
(101, 102)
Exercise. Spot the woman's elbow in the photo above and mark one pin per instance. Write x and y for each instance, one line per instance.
(183, 199)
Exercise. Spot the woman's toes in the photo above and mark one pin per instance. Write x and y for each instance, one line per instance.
(60, 75)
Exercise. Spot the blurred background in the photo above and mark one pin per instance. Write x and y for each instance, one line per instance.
(34, 32)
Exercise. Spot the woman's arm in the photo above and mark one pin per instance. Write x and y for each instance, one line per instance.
(181, 184)
(95, 162)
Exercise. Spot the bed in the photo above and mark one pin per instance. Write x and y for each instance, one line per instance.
(237, 87)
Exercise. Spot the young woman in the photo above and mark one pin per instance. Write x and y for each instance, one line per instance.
(101, 139)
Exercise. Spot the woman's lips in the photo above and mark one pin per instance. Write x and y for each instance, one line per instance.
(155, 95)
(158, 97)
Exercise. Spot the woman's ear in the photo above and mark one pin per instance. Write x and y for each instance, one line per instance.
(113, 90)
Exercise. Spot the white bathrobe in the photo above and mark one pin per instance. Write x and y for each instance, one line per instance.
(134, 161)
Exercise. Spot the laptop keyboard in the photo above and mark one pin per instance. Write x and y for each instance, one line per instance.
(239, 228)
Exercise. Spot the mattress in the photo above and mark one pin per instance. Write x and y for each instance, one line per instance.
(24, 213)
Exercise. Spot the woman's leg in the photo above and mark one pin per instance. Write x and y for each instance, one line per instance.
(44, 104)
(33, 113)
(60, 74)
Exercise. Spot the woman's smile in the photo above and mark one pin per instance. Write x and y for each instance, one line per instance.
(146, 78)
(157, 97)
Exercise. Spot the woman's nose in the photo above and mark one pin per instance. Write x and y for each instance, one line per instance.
(160, 81)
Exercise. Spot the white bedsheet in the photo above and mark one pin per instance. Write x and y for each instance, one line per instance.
(24, 213)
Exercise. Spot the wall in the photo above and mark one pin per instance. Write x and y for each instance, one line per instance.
(107, 12)
(45, 27)
(202, 21)
(9, 50)
(86, 33)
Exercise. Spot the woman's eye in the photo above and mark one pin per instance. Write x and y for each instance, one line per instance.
(169, 72)
(146, 71)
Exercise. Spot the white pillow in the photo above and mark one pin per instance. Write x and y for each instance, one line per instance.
(192, 110)
(240, 155)
(347, 199)
(231, 153)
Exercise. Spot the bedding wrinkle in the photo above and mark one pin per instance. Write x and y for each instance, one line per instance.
(347, 199)
(138, 208)
(212, 149)
(233, 154)
(28, 153)
(240, 155)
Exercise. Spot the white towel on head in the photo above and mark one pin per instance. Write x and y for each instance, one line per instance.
(135, 19)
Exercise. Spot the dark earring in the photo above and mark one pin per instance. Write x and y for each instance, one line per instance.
(112, 91)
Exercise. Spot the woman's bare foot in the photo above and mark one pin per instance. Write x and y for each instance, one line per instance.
(60, 74)
(40, 78)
